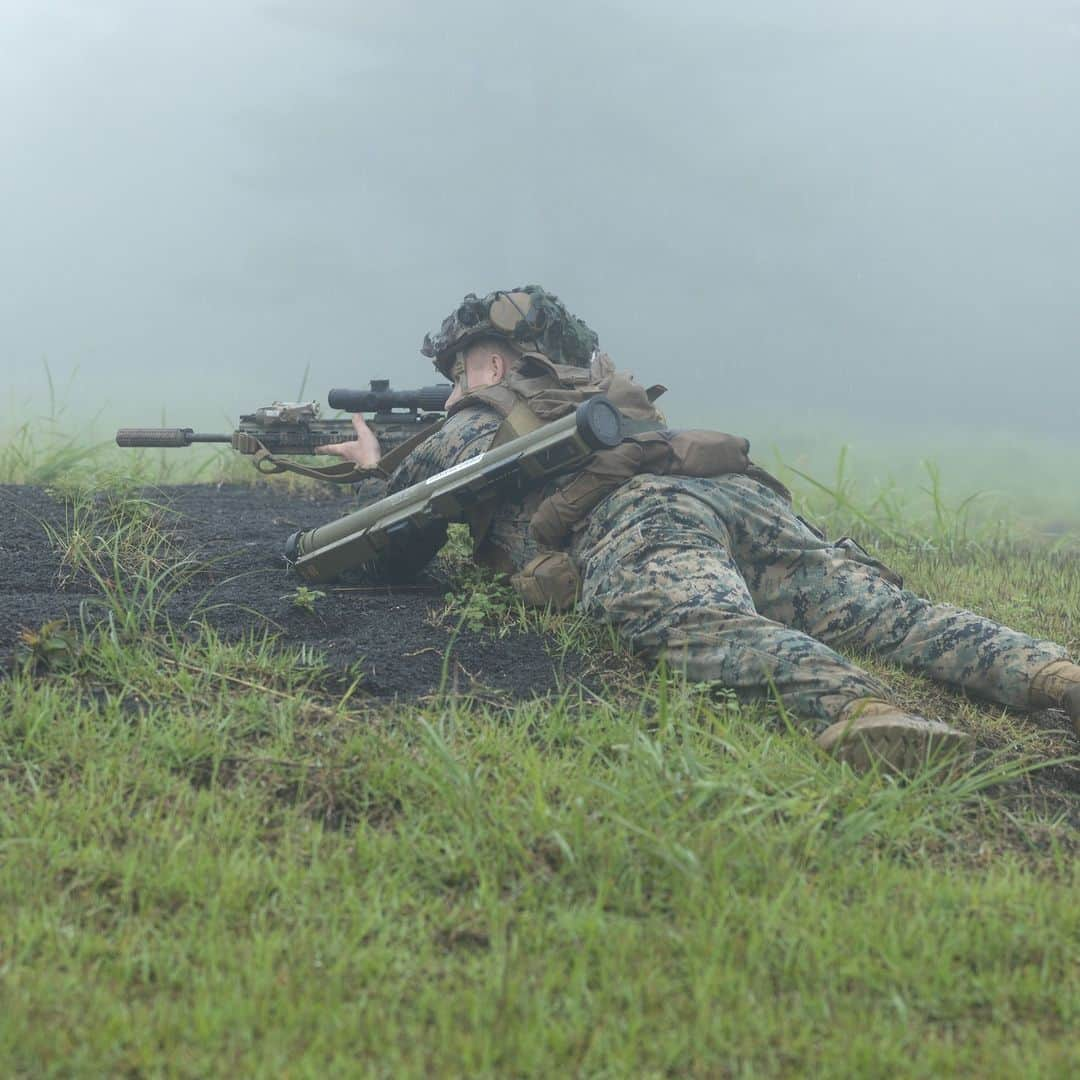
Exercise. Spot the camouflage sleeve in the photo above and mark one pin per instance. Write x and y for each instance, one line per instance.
(465, 434)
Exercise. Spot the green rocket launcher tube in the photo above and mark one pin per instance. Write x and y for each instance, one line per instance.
(320, 555)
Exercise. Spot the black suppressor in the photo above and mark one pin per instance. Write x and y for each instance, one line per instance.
(380, 398)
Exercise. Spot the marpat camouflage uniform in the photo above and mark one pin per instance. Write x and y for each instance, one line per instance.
(720, 576)
(466, 434)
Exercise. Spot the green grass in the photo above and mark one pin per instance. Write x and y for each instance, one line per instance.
(219, 858)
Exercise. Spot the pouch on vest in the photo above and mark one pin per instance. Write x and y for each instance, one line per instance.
(549, 580)
(662, 453)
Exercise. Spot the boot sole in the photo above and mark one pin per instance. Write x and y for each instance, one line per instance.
(900, 748)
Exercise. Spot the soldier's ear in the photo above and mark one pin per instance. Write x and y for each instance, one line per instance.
(498, 367)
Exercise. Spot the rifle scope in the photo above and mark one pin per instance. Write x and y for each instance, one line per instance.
(323, 554)
(380, 398)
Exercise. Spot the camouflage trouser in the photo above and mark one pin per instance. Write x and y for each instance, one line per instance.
(721, 577)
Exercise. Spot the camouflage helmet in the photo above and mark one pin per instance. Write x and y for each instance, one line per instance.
(530, 318)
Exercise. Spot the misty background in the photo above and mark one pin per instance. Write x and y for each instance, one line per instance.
(815, 222)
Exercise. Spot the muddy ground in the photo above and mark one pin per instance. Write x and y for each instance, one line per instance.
(395, 637)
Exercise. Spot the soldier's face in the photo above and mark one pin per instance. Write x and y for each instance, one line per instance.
(479, 367)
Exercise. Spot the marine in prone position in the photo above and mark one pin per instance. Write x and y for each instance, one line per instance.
(693, 552)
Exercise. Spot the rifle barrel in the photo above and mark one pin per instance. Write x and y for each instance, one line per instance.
(166, 437)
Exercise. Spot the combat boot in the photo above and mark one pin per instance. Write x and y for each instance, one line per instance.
(871, 731)
(1071, 704)
(1057, 686)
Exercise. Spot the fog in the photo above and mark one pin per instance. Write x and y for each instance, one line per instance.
(801, 216)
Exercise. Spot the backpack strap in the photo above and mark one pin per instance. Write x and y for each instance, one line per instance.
(513, 406)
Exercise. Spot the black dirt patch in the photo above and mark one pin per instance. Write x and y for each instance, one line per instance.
(392, 636)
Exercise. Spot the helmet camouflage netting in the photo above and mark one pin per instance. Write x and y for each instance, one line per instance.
(530, 318)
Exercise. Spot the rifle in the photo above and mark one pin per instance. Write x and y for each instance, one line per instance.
(274, 433)
(322, 554)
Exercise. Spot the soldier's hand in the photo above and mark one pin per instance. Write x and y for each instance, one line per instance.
(365, 451)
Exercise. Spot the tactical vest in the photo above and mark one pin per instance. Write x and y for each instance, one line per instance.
(537, 391)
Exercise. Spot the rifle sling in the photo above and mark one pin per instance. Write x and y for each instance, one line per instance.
(344, 472)
(393, 458)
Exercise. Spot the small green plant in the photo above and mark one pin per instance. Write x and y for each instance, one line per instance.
(111, 527)
(304, 598)
(478, 600)
(119, 543)
(52, 647)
